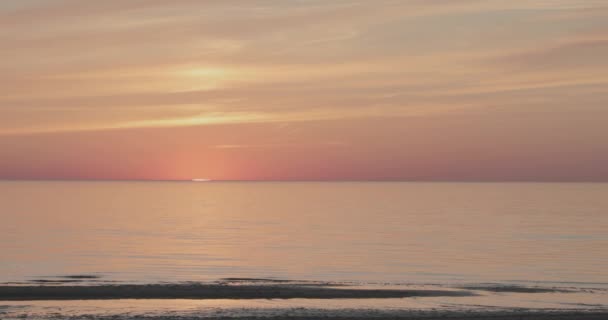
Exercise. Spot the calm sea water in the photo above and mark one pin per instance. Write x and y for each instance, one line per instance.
(368, 231)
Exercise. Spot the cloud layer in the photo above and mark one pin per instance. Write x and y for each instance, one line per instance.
(395, 77)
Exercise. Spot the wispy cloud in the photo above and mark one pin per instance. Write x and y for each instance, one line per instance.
(73, 66)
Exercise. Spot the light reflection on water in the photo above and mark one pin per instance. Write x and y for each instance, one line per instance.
(370, 232)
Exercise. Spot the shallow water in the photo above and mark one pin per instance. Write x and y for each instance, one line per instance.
(435, 236)
(367, 231)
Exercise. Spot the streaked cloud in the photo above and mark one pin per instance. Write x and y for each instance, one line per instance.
(94, 67)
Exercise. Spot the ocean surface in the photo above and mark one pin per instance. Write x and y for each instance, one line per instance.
(364, 233)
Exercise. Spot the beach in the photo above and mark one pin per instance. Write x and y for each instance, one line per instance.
(243, 298)
(349, 314)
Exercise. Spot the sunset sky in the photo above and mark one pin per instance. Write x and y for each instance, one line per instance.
(490, 90)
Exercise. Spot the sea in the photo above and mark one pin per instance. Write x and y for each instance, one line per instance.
(550, 235)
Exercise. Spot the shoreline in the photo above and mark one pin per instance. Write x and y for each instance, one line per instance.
(211, 291)
(342, 314)
(404, 316)
(277, 299)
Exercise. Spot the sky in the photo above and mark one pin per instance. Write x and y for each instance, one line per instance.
(438, 90)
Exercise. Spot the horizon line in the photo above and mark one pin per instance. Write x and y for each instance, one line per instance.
(302, 180)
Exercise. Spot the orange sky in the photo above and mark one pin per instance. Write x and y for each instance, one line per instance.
(312, 90)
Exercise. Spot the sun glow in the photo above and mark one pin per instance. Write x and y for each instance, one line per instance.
(203, 78)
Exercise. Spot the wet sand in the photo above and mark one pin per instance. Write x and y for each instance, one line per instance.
(209, 291)
(516, 289)
(436, 316)
(308, 314)
(406, 316)
(27, 301)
